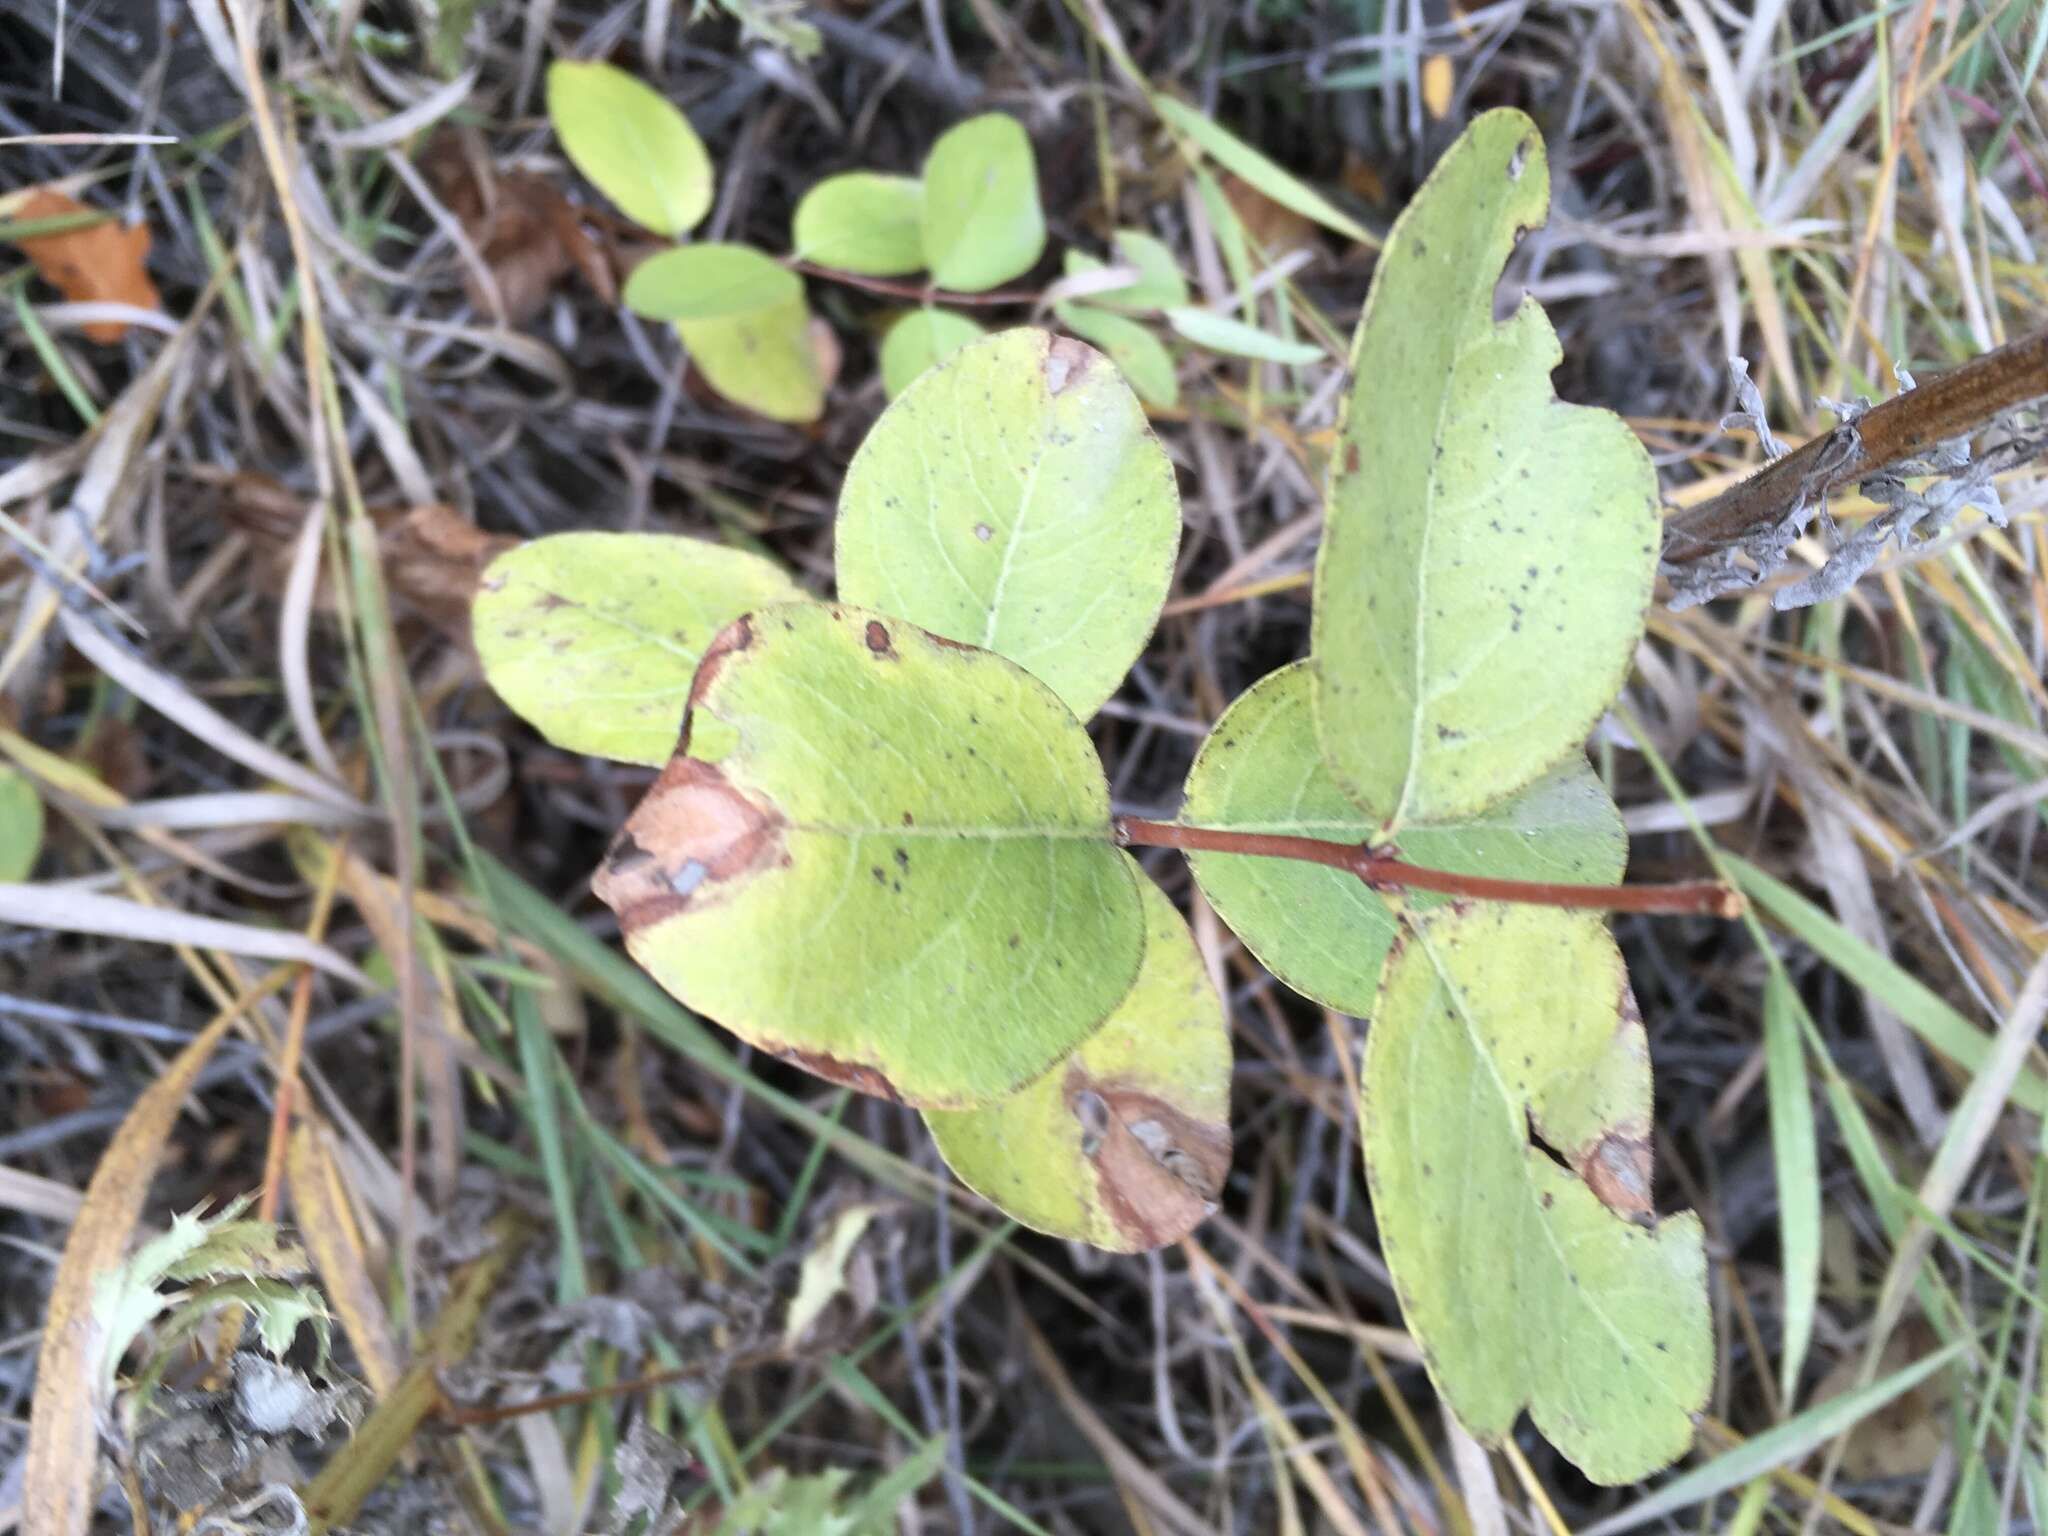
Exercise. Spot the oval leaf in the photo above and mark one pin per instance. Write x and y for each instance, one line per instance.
(1015, 499)
(1220, 333)
(982, 222)
(631, 144)
(1322, 931)
(882, 856)
(765, 361)
(1158, 285)
(1125, 1144)
(1139, 355)
(710, 282)
(593, 638)
(1489, 550)
(863, 222)
(1532, 1276)
(21, 825)
(920, 340)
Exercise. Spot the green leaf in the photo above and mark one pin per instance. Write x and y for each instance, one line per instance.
(1158, 285)
(632, 144)
(592, 638)
(764, 361)
(1125, 1144)
(21, 825)
(863, 222)
(1519, 1267)
(883, 856)
(1014, 498)
(710, 282)
(920, 340)
(1220, 333)
(1138, 354)
(1489, 549)
(982, 222)
(743, 317)
(1322, 931)
(1239, 158)
(1796, 1156)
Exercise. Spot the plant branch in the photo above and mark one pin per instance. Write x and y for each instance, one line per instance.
(1385, 872)
(922, 293)
(1947, 405)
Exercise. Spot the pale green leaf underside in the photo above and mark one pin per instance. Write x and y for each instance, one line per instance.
(21, 825)
(1489, 549)
(1140, 356)
(1125, 1143)
(1159, 284)
(1014, 498)
(920, 340)
(1320, 930)
(632, 144)
(982, 222)
(863, 222)
(1522, 1288)
(883, 856)
(593, 637)
(1221, 333)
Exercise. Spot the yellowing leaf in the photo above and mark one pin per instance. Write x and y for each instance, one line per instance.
(863, 222)
(1125, 1144)
(712, 281)
(632, 144)
(1323, 931)
(1489, 549)
(743, 317)
(593, 638)
(1532, 1275)
(1015, 498)
(822, 1274)
(920, 340)
(883, 856)
(982, 221)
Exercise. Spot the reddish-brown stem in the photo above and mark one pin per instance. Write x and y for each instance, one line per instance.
(1385, 872)
(922, 293)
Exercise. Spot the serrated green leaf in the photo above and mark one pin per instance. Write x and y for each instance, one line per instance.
(1322, 931)
(1519, 1268)
(1125, 1144)
(982, 221)
(713, 281)
(21, 825)
(920, 340)
(593, 638)
(1014, 498)
(883, 856)
(1220, 333)
(1239, 158)
(631, 144)
(863, 222)
(1489, 550)
(1159, 284)
(1140, 356)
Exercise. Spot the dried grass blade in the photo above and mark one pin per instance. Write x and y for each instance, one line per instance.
(68, 909)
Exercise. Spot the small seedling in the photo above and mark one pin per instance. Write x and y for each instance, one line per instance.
(883, 848)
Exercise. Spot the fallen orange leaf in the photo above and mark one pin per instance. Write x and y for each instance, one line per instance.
(101, 262)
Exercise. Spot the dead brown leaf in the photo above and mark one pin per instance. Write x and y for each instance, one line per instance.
(528, 233)
(101, 262)
(1277, 229)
